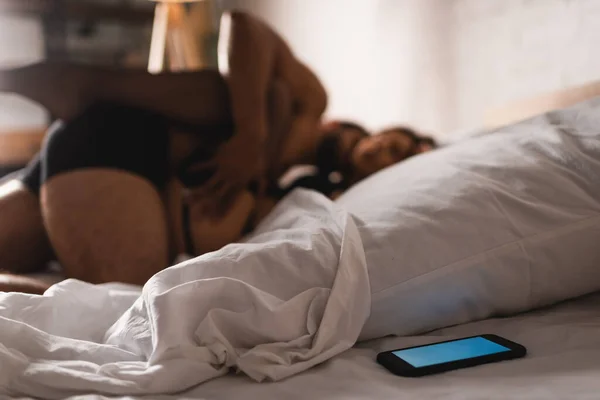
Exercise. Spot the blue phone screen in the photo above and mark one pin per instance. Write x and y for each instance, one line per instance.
(450, 351)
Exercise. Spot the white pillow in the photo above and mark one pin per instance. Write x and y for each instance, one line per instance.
(498, 224)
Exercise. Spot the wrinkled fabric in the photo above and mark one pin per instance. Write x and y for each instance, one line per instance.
(293, 295)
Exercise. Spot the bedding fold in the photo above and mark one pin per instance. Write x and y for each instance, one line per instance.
(293, 295)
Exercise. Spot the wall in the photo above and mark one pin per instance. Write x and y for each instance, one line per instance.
(382, 61)
(20, 43)
(437, 64)
(510, 49)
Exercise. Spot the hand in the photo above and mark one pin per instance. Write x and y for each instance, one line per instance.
(237, 163)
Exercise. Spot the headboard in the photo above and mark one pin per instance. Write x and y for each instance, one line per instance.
(530, 107)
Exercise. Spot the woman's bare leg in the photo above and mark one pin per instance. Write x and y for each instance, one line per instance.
(24, 245)
(106, 225)
(100, 196)
(23, 284)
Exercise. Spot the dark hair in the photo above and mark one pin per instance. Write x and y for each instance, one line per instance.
(327, 153)
(352, 125)
(417, 138)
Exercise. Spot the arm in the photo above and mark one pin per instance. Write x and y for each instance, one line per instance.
(251, 55)
(66, 89)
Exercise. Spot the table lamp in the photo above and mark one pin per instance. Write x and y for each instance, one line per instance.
(178, 35)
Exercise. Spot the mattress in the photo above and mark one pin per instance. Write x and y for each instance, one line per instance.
(562, 363)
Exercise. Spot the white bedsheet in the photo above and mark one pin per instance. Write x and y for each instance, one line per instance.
(563, 362)
(294, 295)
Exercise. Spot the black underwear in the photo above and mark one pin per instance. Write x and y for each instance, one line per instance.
(115, 136)
(125, 138)
(131, 139)
(104, 136)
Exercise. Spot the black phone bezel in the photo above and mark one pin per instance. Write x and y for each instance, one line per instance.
(401, 368)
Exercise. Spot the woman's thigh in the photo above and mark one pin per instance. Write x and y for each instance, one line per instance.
(106, 225)
(101, 201)
(24, 284)
(24, 245)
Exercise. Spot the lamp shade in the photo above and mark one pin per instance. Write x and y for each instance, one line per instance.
(179, 35)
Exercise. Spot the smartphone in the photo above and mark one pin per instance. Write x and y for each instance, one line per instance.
(445, 356)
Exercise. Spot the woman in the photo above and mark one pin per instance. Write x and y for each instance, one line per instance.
(144, 167)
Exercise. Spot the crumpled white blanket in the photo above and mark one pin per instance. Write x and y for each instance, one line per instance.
(293, 295)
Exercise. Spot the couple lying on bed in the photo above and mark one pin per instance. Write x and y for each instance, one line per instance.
(143, 167)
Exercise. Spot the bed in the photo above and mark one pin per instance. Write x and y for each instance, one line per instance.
(528, 249)
(563, 347)
(562, 341)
